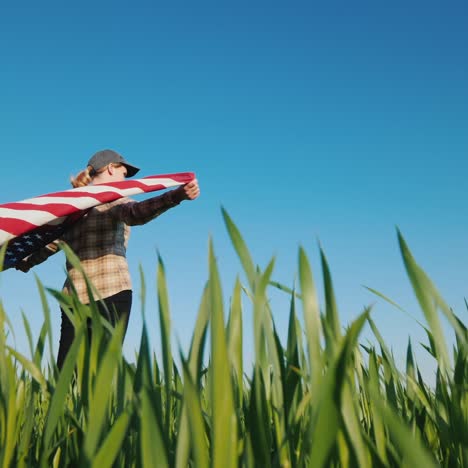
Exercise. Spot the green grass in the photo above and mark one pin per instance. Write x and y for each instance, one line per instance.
(320, 399)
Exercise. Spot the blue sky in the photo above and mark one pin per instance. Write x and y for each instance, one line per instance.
(309, 122)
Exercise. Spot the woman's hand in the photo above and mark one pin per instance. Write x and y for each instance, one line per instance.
(22, 266)
(192, 190)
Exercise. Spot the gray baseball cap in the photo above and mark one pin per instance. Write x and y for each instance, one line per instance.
(104, 157)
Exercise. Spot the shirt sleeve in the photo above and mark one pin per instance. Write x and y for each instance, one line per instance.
(136, 213)
(41, 255)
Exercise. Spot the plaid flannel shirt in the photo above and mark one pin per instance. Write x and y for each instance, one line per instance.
(100, 239)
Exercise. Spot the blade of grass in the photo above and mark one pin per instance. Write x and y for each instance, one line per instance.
(241, 248)
(165, 323)
(224, 436)
(311, 317)
(424, 292)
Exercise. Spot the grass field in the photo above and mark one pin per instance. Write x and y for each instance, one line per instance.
(319, 399)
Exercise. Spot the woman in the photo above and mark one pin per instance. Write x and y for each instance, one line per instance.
(100, 238)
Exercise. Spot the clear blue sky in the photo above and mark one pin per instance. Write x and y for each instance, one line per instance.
(308, 121)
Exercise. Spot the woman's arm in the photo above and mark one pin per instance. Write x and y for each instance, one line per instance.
(137, 213)
(39, 256)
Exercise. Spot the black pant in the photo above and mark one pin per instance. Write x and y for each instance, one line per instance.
(118, 306)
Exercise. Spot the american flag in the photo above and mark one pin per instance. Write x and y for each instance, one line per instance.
(29, 225)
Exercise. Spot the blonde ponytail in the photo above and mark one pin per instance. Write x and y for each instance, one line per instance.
(83, 178)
